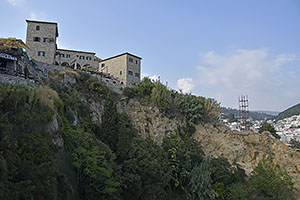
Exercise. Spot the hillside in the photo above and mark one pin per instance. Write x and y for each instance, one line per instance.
(253, 114)
(73, 138)
(294, 110)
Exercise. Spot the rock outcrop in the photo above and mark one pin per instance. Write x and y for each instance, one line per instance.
(245, 148)
(248, 149)
(149, 121)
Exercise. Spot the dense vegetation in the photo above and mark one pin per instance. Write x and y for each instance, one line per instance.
(294, 110)
(193, 109)
(110, 160)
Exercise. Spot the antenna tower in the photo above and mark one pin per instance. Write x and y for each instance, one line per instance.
(243, 112)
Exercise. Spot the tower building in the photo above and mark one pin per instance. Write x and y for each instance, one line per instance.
(41, 40)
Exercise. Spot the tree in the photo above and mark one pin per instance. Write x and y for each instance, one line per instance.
(200, 184)
(268, 127)
(183, 155)
(145, 171)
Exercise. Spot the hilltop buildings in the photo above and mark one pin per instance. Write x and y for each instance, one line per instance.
(41, 38)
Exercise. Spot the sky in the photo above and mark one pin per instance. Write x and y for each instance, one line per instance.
(214, 48)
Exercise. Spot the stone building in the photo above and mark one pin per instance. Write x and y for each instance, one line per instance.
(125, 67)
(41, 40)
(76, 59)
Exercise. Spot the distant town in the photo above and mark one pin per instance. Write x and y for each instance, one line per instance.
(288, 128)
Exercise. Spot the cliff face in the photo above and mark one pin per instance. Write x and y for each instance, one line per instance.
(149, 121)
(246, 149)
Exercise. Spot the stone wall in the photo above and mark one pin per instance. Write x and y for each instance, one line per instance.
(124, 67)
(9, 79)
(115, 67)
(134, 66)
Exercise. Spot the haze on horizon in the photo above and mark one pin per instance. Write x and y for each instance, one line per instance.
(218, 49)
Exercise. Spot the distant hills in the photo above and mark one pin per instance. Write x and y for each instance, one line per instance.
(294, 110)
(255, 115)
(273, 113)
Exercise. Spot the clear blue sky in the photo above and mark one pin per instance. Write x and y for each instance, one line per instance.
(213, 48)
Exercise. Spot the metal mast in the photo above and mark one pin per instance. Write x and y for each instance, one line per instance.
(243, 112)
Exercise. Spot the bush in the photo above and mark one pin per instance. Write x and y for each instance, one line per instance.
(270, 182)
(268, 127)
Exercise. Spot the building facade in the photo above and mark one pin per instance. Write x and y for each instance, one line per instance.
(41, 40)
(76, 59)
(125, 67)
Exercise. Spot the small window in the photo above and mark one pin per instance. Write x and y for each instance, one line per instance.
(130, 60)
(46, 39)
(89, 58)
(68, 55)
(120, 72)
(41, 53)
(37, 28)
(51, 40)
(36, 39)
(81, 57)
(136, 62)
(102, 65)
(137, 75)
(130, 73)
(62, 55)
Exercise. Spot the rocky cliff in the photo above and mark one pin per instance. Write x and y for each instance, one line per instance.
(247, 149)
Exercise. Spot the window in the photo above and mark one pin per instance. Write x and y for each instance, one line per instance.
(37, 28)
(136, 62)
(81, 57)
(36, 39)
(130, 73)
(137, 75)
(68, 55)
(46, 39)
(130, 60)
(102, 65)
(62, 55)
(41, 53)
(120, 72)
(89, 58)
(51, 40)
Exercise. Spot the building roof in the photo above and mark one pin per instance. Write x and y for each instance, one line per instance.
(75, 51)
(121, 55)
(43, 22)
(12, 43)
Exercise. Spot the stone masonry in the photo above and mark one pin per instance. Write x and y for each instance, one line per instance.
(124, 67)
(41, 40)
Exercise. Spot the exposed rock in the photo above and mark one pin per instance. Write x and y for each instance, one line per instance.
(248, 149)
(53, 128)
(97, 109)
(148, 120)
(58, 142)
(53, 125)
